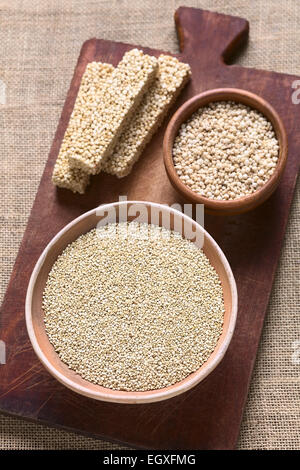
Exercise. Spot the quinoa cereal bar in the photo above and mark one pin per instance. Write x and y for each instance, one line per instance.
(171, 78)
(122, 94)
(88, 99)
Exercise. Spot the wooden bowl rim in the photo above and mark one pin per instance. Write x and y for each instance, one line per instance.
(116, 396)
(225, 94)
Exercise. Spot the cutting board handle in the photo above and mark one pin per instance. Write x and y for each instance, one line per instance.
(211, 36)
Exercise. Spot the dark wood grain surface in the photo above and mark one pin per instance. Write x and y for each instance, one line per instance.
(208, 416)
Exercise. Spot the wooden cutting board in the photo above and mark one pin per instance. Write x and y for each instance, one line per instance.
(208, 416)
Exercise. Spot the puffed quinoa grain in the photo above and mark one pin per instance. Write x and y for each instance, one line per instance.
(122, 94)
(171, 78)
(133, 307)
(87, 101)
(225, 151)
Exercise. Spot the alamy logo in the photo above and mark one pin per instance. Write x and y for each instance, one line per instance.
(2, 92)
(2, 352)
(174, 217)
(296, 93)
(296, 353)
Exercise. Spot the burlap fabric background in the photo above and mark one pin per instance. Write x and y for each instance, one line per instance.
(39, 45)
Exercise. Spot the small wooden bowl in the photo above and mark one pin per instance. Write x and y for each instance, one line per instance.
(242, 204)
(122, 211)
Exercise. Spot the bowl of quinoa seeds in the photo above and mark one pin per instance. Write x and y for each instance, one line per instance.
(133, 307)
(225, 151)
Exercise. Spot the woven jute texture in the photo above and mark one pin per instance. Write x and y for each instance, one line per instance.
(39, 45)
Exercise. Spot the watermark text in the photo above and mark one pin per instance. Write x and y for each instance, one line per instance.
(2, 92)
(296, 93)
(2, 352)
(138, 215)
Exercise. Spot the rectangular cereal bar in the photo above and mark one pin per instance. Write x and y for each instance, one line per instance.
(171, 78)
(88, 99)
(122, 95)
